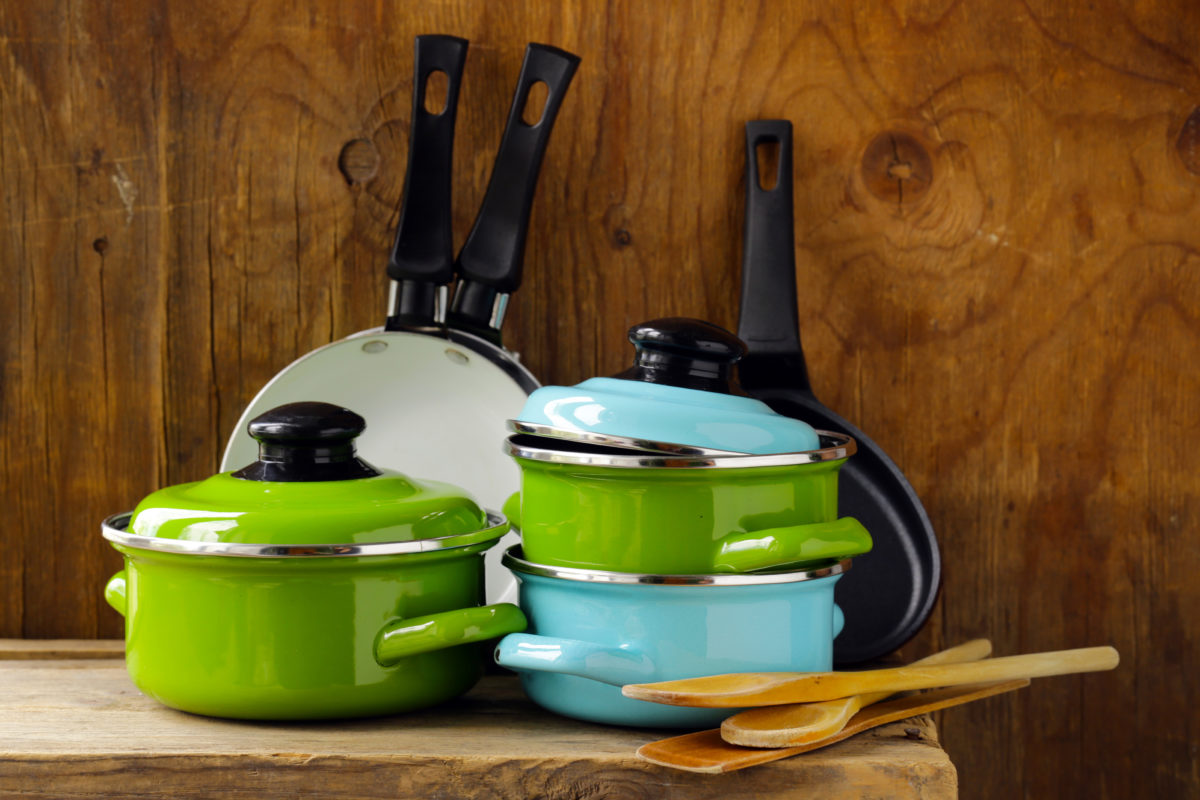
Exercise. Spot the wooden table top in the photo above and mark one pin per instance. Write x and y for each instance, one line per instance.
(72, 724)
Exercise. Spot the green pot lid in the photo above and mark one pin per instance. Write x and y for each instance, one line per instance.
(308, 487)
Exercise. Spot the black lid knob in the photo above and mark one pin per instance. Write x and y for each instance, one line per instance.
(691, 353)
(307, 441)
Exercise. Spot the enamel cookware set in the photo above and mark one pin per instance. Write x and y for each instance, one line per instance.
(701, 536)
(670, 525)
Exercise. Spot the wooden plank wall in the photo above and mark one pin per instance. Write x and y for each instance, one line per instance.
(1011, 311)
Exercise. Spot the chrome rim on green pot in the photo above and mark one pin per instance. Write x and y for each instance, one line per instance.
(612, 509)
(307, 585)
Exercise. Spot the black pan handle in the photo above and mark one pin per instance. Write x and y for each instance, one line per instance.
(768, 320)
(422, 257)
(489, 264)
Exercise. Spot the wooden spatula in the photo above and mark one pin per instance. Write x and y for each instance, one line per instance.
(800, 723)
(774, 688)
(707, 752)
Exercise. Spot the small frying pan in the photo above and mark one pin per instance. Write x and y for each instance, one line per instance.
(891, 590)
(436, 395)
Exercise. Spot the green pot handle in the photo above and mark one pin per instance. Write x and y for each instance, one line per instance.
(512, 509)
(401, 638)
(114, 592)
(776, 547)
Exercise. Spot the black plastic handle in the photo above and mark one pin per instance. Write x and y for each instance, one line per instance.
(423, 254)
(768, 320)
(307, 441)
(490, 261)
(679, 351)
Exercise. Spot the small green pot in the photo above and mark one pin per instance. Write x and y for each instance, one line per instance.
(309, 634)
(308, 584)
(649, 513)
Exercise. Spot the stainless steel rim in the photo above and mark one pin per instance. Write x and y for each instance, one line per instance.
(834, 446)
(607, 440)
(114, 530)
(514, 560)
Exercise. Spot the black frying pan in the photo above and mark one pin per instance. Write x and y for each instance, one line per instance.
(890, 591)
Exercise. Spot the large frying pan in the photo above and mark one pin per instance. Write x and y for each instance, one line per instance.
(436, 394)
(891, 591)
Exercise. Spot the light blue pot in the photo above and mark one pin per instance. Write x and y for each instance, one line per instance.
(597, 631)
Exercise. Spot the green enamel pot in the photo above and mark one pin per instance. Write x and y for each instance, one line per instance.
(307, 585)
(656, 513)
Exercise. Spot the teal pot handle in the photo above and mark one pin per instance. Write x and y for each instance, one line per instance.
(512, 509)
(614, 665)
(775, 547)
(839, 620)
(114, 592)
(401, 638)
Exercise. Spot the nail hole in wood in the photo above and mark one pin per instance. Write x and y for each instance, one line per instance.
(897, 168)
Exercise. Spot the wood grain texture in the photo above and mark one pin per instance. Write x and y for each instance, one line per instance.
(1008, 306)
(80, 729)
(43, 649)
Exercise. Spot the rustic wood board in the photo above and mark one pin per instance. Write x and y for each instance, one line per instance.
(44, 649)
(80, 729)
(998, 231)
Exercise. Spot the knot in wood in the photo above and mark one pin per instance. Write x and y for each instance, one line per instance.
(897, 168)
(359, 161)
(1188, 143)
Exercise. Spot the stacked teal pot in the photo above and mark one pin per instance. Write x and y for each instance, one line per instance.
(596, 631)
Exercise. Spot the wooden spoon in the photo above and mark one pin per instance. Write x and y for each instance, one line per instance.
(800, 723)
(774, 688)
(707, 752)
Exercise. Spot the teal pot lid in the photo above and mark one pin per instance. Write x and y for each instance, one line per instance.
(308, 486)
(679, 396)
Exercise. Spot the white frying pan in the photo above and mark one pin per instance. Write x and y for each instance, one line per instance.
(436, 395)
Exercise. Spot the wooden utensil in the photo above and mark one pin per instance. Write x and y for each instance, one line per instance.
(800, 723)
(707, 752)
(774, 688)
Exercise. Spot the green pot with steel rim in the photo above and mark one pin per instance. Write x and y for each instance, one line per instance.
(307, 585)
(615, 509)
(668, 468)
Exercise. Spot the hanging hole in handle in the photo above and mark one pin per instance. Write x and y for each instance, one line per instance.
(766, 153)
(437, 92)
(535, 103)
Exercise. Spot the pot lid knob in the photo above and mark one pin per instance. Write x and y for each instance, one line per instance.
(690, 353)
(307, 441)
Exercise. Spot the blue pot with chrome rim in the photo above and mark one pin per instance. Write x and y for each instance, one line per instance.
(591, 632)
(680, 396)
